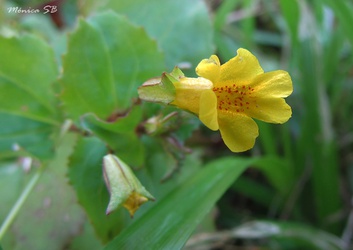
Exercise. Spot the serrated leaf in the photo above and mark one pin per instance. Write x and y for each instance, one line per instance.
(85, 174)
(182, 28)
(50, 217)
(11, 180)
(27, 70)
(120, 135)
(44, 27)
(182, 209)
(28, 134)
(101, 76)
(27, 102)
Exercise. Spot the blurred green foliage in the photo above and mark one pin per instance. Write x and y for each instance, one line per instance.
(68, 96)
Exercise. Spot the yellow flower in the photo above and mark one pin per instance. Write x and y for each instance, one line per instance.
(228, 96)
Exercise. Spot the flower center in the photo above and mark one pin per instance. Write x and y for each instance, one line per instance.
(233, 97)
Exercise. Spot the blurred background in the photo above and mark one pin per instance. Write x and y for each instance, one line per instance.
(299, 196)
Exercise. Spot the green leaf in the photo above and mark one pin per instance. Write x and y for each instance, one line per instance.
(182, 28)
(11, 182)
(43, 26)
(86, 240)
(27, 101)
(85, 174)
(27, 70)
(120, 135)
(28, 134)
(50, 217)
(182, 209)
(101, 76)
(161, 163)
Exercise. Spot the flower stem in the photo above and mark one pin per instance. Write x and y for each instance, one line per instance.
(19, 203)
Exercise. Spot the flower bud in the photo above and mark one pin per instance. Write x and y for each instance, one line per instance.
(158, 125)
(124, 188)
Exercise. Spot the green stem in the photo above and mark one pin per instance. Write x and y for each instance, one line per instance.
(19, 203)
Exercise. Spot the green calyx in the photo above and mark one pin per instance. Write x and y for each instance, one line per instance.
(124, 188)
(161, 89)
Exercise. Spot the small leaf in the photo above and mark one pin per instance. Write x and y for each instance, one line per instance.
(101, 76)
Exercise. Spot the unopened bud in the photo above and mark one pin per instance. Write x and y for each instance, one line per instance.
(158, 125)
(124, 188)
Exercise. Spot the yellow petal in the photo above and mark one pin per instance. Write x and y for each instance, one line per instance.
(133, 203)
(239, 70)
(274, 110)
(238, 131)
(208, 109)
(272, 84)
(209, 68)
(188, 92)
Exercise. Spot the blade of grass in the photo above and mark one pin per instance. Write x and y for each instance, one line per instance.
(290, 11)
(169, 224)
(316, 146)
(344, 12)
(258, 192)
(248, 24)
(222, 13)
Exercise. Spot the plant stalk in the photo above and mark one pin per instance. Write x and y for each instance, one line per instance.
(19, 203)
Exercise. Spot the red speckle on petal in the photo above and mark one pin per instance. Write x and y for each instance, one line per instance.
(230, 98)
